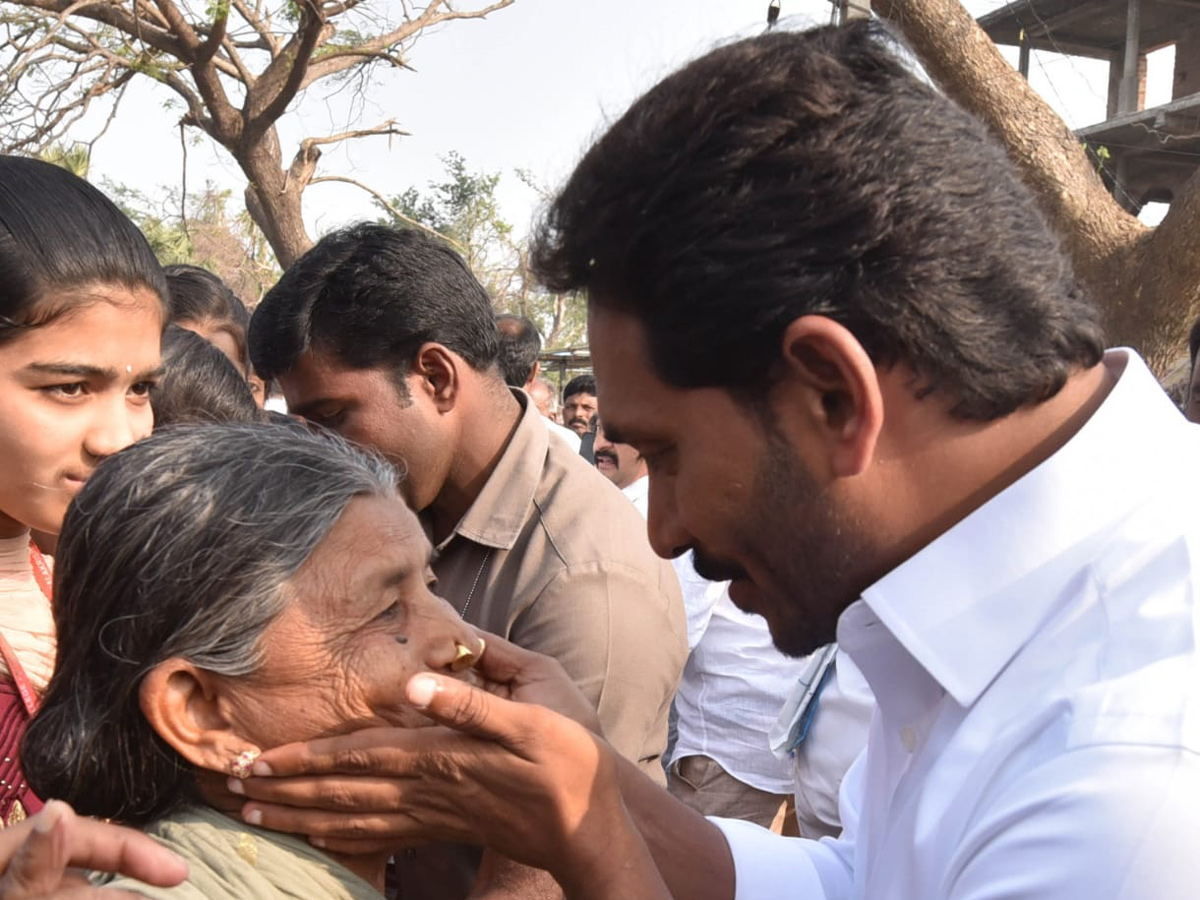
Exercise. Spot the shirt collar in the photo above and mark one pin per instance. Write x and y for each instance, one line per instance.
(964, 605)
(498, 514)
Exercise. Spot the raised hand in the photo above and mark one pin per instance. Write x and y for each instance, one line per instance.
(35, 857)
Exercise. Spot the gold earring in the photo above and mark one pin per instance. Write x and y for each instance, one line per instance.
(243, 766)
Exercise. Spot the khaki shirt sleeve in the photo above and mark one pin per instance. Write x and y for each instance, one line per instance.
(623, 641)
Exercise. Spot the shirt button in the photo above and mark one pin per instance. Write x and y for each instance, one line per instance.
(908, 737)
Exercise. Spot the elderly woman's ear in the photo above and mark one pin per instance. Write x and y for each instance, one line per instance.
(191, 710)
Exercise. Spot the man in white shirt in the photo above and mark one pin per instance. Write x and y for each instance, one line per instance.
(826, 310)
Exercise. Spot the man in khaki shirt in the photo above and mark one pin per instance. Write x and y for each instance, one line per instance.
(387, 338)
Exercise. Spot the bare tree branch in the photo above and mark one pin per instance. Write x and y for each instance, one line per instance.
(387, 129)
(390, 207)
(386, 46)
(237, 72)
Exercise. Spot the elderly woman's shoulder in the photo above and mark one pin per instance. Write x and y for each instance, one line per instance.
(231, 861)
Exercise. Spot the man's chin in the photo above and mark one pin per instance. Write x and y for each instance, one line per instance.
(789, 637)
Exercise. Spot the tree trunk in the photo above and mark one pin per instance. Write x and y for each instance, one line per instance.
(1145, 281)
(274, 196)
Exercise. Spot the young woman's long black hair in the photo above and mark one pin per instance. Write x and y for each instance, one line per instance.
(58, 234)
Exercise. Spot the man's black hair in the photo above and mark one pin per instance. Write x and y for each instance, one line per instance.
(372, 296)
(580, 384)
(813, 173)
(520, 345)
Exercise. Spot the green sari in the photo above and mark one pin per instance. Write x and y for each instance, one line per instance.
(229, 860)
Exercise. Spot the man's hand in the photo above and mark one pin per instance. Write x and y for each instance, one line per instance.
(525, 781)
(521, 675)
(365, 797)
(35, 856)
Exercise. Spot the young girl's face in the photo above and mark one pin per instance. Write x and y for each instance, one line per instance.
(72, 392)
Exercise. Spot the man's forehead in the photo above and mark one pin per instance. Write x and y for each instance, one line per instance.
(628, 388)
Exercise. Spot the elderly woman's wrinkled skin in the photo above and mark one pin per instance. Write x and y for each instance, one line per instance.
(364, 621)
(361, 621)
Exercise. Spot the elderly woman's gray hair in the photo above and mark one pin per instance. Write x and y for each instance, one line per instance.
(179, 546)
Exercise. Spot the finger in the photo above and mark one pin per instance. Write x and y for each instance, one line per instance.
(474, 711)
(114, 848)
(38, 866)
(369, 751)
(502, 660)
(335, 793)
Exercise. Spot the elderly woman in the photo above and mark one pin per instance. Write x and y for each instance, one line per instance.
(220, 590)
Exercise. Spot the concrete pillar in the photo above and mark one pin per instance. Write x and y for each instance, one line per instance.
(1187, 64)
(850, 10)
(1114, 85)
(1129, 79)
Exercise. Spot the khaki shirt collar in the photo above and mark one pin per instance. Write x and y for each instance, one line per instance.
(498, 514)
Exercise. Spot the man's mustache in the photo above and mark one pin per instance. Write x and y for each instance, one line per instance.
(713, 569)
(605, 454)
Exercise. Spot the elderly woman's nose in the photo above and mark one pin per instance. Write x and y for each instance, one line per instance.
(446, 635)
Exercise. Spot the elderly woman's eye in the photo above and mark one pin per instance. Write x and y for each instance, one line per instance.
(390, 613)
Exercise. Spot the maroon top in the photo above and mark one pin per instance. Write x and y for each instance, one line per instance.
(16, 799)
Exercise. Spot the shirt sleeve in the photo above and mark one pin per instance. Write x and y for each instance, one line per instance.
(620, 634)
(812, 870)
(1100, 823)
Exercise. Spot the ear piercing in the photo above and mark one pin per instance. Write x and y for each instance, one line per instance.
(243, 765)
(465, 657)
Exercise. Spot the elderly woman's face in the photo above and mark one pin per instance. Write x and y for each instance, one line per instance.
(363, 620)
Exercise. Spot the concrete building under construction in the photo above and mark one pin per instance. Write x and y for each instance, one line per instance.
(1145, 155)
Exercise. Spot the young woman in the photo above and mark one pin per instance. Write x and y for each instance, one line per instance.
(81, 316)
(201, 302)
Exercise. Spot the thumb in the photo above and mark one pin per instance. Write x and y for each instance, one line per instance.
(468, 709)
(37, 867)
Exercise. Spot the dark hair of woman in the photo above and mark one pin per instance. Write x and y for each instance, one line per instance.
(198, 297)
(199, 383)
(57, 232)
(179, 546)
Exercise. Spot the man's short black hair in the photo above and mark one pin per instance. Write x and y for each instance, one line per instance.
(813, 173)
(520, 345)
(372, 296)
(580, 384)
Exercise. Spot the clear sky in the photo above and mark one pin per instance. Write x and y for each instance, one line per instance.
(526, 88)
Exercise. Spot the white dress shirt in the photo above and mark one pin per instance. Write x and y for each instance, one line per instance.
(1038, 685)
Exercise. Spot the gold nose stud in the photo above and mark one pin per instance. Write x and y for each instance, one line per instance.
(465, 657)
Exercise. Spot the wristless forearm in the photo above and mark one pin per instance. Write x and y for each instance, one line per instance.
(689, 852)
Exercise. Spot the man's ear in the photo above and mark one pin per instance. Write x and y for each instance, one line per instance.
(439, 373)
(187, 708)
(533, 374)
(838, 389)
